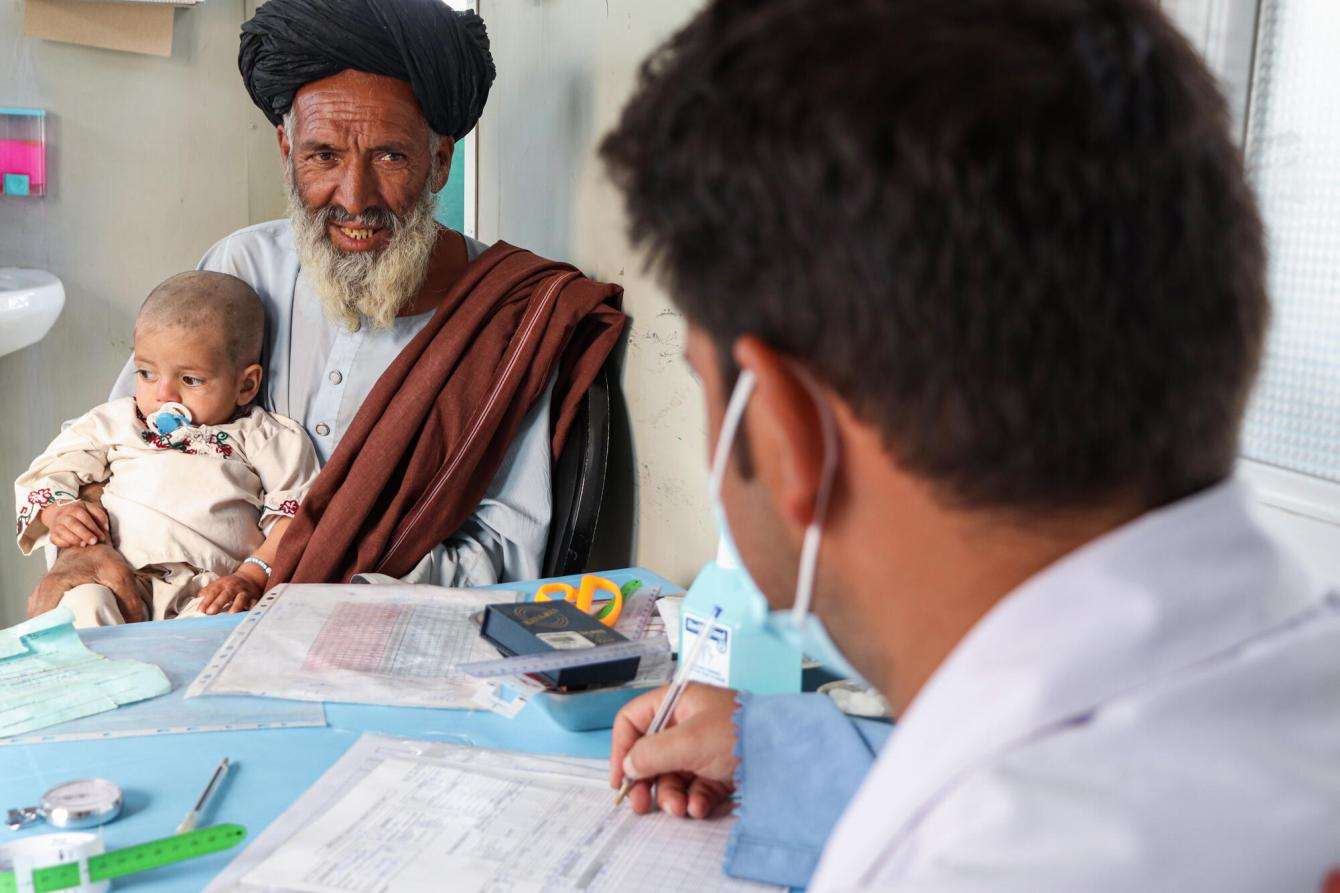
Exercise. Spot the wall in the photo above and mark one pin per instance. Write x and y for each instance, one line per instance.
(153, 160)
(565, 69)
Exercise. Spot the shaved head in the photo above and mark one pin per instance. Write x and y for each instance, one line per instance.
(201, 299)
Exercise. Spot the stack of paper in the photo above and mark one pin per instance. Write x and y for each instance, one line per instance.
(399, 816)
(179, 648)
(396, 645)
(47, 676)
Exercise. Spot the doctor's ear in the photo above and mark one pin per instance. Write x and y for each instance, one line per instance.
(785, 430)
(249, 384)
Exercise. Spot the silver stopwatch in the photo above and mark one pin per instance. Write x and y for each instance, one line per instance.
(75, 804)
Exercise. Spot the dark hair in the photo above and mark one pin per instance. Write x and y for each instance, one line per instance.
(204, 299)
(1014, 234)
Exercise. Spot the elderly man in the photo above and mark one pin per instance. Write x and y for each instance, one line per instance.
(989, 275)
(368, 100)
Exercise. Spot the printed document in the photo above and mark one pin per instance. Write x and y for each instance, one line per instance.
(48, 676)
(400, 815)
(396, 645)
(179, 649)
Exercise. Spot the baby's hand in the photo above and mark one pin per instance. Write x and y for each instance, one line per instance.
(76, 523)
(232, 594)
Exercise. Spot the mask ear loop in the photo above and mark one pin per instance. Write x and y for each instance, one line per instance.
(809, 550)
(730, 424)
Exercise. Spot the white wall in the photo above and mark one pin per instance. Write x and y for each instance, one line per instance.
(151, 160)
(565, 69)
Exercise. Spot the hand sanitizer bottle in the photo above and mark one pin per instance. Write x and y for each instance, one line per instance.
(741, 654)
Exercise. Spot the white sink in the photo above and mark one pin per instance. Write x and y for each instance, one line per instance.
(30, 301)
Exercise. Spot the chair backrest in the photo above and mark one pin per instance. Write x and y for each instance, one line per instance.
(579, 483)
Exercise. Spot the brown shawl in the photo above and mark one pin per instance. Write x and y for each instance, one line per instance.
(431, 434)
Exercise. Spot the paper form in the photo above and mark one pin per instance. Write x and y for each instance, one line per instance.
(365, 644)
(399, 815)
(48, 676)
(179, 648)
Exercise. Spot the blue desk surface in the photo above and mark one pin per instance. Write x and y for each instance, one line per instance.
(162, 775)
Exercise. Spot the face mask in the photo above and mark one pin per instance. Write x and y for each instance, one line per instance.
(797, 626)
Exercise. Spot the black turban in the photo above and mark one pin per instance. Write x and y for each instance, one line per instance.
(443, 54)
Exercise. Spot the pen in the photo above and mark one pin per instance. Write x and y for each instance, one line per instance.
(676, 689)
(188, 823)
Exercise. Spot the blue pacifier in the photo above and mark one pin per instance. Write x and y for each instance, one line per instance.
(168, 418)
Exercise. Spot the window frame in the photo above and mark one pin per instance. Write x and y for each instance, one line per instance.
(1227, 32)
(470, 145)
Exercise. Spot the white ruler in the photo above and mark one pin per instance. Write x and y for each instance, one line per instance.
(637, 618)
(526, 664)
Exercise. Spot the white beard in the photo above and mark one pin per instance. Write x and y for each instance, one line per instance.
(372, 284)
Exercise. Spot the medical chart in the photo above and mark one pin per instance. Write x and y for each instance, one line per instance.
(400, 815)
(48, 676)
(180, 648)
(395, 645)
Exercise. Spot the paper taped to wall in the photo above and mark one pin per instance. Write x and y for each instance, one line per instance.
(129, 27)
(402, 815)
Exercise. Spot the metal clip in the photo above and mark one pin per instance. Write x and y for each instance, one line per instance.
(22, 818)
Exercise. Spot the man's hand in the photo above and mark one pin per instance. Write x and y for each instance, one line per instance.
(76, 523)
(91, 564)
(232, 594)
(691, 761)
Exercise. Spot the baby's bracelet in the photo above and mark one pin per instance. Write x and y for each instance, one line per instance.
(260, 563)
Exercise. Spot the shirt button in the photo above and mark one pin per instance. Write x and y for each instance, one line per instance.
(323, 429)
(336, 378)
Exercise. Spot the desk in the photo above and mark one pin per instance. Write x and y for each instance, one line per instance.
(162, 775)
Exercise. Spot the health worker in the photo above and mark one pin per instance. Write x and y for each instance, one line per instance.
(976, 292)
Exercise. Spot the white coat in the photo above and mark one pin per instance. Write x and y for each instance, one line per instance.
(1160, 710)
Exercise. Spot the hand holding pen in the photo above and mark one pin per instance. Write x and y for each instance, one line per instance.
(688, 756)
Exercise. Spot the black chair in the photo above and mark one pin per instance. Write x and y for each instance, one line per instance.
(579, 482)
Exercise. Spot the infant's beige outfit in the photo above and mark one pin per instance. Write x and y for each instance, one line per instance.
(185, 508)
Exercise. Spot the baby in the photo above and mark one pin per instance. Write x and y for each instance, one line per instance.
(200, 484)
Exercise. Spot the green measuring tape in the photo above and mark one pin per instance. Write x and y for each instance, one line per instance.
(117, 863)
